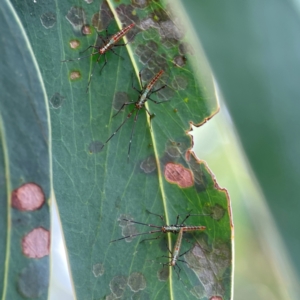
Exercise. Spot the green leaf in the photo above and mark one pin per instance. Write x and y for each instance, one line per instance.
(95, 188)
(24, 166)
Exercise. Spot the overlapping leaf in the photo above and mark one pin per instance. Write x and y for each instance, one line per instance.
(24, 166)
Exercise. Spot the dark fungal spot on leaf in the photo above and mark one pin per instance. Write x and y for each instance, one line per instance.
(75, 75)
(36, 244)
(28, 197)
(95, 147)
(169, 43)
(185, 48)
(148, 165)
(57, 100)
(210, 265)
(48, 19)
(119, 99)
(199, 173)
(147, 23)
(177, 174)
(163, 274)
(118, 285)
(146, 75)
(179, 61)
(179, 82)
(74, 44)
(217, 212)
(127, 16)
(140, 295)
(77, 18)
(169, 30)
(173, 149)
(86, 30)
(34, 279)
(96, 22)
(128, 228)
(98, 270)
(140, 3)
(166, 94)
(124, 223)
(102, 19)
(136, 282)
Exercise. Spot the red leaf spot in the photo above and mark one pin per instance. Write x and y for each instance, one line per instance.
(216, 298)
(36, 243)
(28, 197)
(176, 173)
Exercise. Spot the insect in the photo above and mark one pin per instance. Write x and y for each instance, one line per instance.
(165, 228)
(145, 94)
(176, 252)
(175, 255)
(109, 44)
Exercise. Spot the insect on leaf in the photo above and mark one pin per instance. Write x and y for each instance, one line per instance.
(95, 185)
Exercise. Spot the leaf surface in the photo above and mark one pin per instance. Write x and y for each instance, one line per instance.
(96, 188)
(24, 166)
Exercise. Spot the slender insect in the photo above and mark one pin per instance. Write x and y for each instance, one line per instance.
(109, 44)
(165, 228)
(176, 253)
(145, 94)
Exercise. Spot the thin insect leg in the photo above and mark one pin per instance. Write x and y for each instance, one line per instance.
(161, 217)
(186, 217)
(155, 91)
(192, 215)
(92, 46)
(133, 235)
(132, 131)
(156, 238)
(124, 104)
(140, 77)
(105, 62)
(150, 115)
(140, 92)
(157, 102)
(104, 40)
(129, 115)
(89, 82)
(140, 223)
(78, 58)
(116, 53)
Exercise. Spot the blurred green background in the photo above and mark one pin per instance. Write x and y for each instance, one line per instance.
(253, 48)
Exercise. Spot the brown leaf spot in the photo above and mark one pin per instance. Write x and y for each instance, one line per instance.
(74, 75)
(28, 197)
(36, 243)
(176, 173)
(216, 298)
(74, 44)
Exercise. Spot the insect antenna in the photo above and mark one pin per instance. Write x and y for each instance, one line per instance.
(128, 116)
(81, 57)
(131, 135)
(97, 61)
(133, 235)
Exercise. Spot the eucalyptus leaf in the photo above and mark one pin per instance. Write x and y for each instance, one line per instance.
(96, 187)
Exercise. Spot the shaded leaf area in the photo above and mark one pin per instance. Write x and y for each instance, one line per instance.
(24, 167)
(95, 188)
